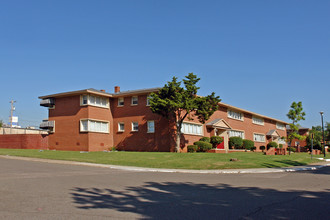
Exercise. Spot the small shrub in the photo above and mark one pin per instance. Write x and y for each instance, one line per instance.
(235, 142)
(262, 148)
(272, 144)
(215, 140)
(292, 149)
(328, 149)
(248, 144)
(203, 146)
(192, 148)
(280, 146)
(205, 139)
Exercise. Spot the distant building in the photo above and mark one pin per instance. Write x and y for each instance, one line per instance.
(94, 120)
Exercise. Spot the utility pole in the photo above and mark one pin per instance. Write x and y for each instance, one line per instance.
(12, 108)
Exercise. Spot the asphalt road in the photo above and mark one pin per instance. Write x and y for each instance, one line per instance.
(39, 190)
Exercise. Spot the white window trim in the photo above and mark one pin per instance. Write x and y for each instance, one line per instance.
(238, 131)
(260, 134)
(242, 115)
(132, 129)
(279, 127)
(100, 106)
(137, 98)
(148, 127)
(192, 123)
(257, 123)
(97, 120)
(148, 104)
(123, 102)
(119, 127)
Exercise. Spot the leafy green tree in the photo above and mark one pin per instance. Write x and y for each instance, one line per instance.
(317, 131)
(1, 123)
(177, 103)
(295, 114)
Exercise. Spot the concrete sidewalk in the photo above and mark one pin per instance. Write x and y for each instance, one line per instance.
(144, 169)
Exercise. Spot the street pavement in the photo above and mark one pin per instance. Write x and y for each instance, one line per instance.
(47, 190)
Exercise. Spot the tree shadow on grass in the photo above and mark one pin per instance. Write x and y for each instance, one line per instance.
(281, 163)
(186, 200)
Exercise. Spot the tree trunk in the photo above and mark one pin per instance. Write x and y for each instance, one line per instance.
(178, 140)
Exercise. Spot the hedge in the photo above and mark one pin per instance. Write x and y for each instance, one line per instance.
(272, 144)
(203, 146)
(248, 144)
(205, 139)
(192, 148)
(235, 142)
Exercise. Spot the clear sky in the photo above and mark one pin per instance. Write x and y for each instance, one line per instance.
(257, 55)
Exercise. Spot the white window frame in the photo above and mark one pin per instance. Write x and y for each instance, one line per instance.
(121, 103)
(258, 134)
(280, 126)
(133, 128)
(238, 131)
(119, 128)
(233, 115)
(151, 129)
(258, 121)
(97, 124)
(132, 100)
(192, 129)
(148, 103)
(101, 99)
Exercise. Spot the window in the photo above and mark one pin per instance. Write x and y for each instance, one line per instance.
(188, 128)
(258, 121)
(135, 126)
(280, 126)
(134, 100)
(121, 126)
(235, 115)
(121, 101)
(89, 125)
(148, 100)
(151, 126)
(85, 99)
(259, 137)
(95, 101)
(234, 133)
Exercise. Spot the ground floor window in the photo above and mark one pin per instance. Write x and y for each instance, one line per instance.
(135, 126)
(188, 128)
(234, 133)
(121, 126)
(259, 137)
(88, 125)
(151, 126)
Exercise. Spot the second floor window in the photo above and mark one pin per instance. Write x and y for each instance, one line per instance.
(121, 101)
(134, 100)
(235, 115)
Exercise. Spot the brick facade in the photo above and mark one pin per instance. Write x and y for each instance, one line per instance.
(68, 111)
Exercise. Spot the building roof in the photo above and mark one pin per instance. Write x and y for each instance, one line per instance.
(144, 91)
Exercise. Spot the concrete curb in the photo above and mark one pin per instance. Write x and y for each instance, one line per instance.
(161, 170)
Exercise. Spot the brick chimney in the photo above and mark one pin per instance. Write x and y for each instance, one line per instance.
(102, 90)
(117, 89)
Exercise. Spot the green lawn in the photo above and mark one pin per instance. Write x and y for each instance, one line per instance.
(172, 160)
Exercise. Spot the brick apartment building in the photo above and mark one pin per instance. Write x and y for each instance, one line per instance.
(94, 120)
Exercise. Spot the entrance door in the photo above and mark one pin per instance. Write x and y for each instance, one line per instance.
(222, 145)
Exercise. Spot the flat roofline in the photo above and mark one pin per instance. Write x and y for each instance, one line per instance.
(144, 91)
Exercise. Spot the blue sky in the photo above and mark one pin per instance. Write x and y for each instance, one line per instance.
(256, 55)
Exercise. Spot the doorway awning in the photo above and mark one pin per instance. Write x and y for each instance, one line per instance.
(273, 133)
(219, 124)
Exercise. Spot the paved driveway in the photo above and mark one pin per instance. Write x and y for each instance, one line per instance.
(38, 190)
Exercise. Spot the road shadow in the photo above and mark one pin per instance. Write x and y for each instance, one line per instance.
(186, 200)
(285, 163)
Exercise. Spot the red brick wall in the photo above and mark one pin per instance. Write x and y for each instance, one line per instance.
(140, 140)
(246, 125)
(24, 141)
(67, 135)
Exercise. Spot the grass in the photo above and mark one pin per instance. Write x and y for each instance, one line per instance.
(196, 161)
